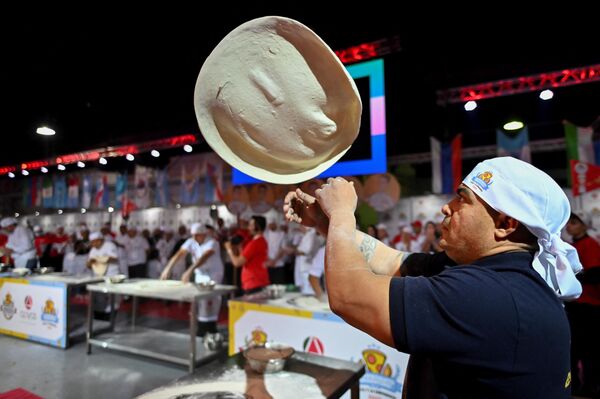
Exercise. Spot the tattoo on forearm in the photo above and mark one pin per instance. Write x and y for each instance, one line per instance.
(367, 247)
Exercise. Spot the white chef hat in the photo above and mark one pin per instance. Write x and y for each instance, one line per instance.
(274, 101)
(198, 228)
(529, 195)
(8, 221)
(96, 235)
(585, 217)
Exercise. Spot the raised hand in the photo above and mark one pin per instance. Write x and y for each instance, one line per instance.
(304, 209)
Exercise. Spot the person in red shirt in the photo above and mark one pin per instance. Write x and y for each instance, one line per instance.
(255, 275)
(585, 312)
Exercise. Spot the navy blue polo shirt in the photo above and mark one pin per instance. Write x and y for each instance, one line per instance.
(493, 329)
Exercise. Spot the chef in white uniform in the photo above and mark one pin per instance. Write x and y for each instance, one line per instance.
(20, 243)
(103, 252)
(206, 265)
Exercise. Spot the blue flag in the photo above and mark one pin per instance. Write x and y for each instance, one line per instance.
(60, 192)
(514, 145)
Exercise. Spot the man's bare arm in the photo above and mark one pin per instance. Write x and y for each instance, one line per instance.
(302, 208)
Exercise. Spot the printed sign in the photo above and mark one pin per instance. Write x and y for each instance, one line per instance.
(33, 310)
(320, 333)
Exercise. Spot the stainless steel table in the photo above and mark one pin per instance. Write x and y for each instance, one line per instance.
(157, 344)
(305, 376)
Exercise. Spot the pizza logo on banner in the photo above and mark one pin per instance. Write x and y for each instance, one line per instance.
(28, 302)
(313, 345)
(375, 362)
(257, 337)
(49, 314)
(8, 307)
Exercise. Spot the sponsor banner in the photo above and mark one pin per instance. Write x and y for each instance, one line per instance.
(321, 333)
(33, 310)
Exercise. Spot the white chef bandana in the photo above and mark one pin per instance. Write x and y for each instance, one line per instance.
(8, 221)
(529, 195)
(197, 228)
(96, 235)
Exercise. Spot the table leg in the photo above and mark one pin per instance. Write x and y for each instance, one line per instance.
(134, 306)
(193, 331)
(113, 314)
(68, 322)
(90, 321)
(355, 391)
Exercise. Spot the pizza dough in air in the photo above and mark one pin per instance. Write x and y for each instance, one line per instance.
(275, 102)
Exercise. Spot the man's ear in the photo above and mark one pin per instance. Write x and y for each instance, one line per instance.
(505, 226)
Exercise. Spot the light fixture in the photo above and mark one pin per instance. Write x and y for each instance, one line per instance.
(45, 131)
(11, 175)
(470, 105)
(25, 172)
(546, 94)
(61, 166)
(44, 169)
(102, 161)
(17, 214)
(155, 153)
(111, 209)
(37, 213)
(60, 211)
(513, 125)
(187, 148)
(129, 157)
(213, 207)
(80, 164)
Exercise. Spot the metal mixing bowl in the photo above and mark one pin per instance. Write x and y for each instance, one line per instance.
(275, 291)
(206, 285)
(268, 364)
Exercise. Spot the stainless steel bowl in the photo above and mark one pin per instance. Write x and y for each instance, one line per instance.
(206, 285)
(116, 279)
(275, 291)
(269, 358)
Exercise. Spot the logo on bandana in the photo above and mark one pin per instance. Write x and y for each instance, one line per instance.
(483, 180)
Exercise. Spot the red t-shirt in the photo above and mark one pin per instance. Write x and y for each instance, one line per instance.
(588, 250)
(254, 272)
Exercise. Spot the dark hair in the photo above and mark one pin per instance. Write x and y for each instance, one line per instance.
(236, 240)
(260, 222)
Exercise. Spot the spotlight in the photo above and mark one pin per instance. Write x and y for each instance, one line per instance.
(513, 125)
(470, 105)
(546, 94)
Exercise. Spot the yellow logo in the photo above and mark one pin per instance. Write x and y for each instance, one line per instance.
(8, 299)
(259, 337)
(375, 361)
(568, 381)
(486, 176)
(49, 307)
